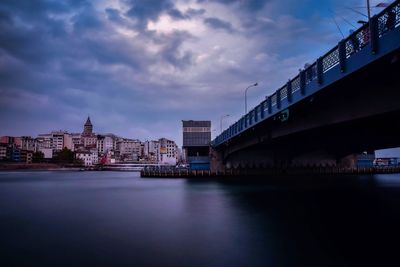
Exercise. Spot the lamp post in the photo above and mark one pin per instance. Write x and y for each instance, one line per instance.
(369, 11)
(220, 121)
(245, 97)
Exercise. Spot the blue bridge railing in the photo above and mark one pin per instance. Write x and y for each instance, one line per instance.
(366, 36)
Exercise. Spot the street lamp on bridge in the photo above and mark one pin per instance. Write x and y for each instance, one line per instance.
(245, 97)
(220, 121)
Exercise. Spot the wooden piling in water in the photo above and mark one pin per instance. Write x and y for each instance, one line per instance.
(267, 172)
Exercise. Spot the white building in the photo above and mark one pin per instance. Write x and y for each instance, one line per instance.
(100, 144)
(68, 142)
(89, 158)
(57, 140)
(53, 140)
(105, 143)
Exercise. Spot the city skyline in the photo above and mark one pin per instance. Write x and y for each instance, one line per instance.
(138, 69)
(90, 147)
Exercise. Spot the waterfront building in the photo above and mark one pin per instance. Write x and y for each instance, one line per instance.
(28, 143)
(100, 144)
(105, 143)
(77, 142)
(129, 149)
(43, 141)
(151, 151)
(56, 140)
(68, 143)
(5, 139)
(387, 162)
(3, 152)
(196, 143)
(18, 142)
(89, 141)
(141, 151)
(89, 158)
(168, 152)
(26, 156)
(11, 141)
(15, 154)
(19, 155)
(17, 149)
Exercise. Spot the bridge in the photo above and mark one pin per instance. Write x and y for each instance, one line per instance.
(346, 102)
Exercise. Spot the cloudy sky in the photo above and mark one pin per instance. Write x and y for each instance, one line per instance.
(139, 67)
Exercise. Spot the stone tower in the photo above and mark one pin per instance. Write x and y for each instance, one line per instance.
(88, 127)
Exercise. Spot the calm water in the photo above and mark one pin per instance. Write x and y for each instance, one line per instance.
(118, 219)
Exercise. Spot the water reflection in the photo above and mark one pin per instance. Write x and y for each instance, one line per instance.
(350, 221)
(107, 218)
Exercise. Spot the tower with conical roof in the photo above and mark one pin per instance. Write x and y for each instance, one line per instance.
(88, 127)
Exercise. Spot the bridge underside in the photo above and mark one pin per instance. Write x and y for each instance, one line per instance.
(359, 113)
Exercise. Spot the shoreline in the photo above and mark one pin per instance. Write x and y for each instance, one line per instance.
(36, 167)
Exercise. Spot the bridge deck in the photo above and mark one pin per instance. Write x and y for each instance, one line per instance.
(368, 44)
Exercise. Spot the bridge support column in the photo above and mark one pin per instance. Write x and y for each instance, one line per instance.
(216, 162)
(319, 158)
(349, 161)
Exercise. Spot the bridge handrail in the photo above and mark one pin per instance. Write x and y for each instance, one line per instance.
(386, 20)
(295, 82)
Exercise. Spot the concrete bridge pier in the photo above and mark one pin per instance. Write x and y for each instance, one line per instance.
(216, 161)
(264, 159)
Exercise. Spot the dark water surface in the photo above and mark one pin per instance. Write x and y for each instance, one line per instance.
(118, 219)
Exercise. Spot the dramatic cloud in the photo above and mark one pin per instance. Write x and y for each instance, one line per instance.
(139, 67)
(216, 23)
